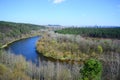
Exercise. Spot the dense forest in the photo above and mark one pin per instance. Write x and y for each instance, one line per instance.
(75, 48)
(93, 32)
(9, 30)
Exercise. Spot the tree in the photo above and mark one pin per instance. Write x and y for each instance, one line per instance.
(91, 70)
(100, 49)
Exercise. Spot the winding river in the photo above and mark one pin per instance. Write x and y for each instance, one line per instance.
(27, 48)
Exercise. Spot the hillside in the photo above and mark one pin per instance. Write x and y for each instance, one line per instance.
(10, 30)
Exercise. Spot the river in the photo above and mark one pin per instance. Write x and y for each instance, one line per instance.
(27, 48)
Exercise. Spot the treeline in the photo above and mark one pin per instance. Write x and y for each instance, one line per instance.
(93, 32)
(15, 30)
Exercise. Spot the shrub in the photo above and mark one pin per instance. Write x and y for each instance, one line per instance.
(91, 70)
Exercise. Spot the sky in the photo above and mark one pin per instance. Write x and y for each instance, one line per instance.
(62, 12)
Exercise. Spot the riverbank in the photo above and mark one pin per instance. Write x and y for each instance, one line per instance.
(74, 47)
(53, 59)
(5, 45)
(64, 48)
(17, 39)
(12, 31)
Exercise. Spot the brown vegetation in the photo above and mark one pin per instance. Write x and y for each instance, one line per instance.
(14, 67)
(77, 48)
(74, 47)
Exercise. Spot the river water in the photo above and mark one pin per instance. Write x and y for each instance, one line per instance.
(27, 48)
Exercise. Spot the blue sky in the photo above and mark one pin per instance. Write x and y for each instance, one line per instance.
(63, 12)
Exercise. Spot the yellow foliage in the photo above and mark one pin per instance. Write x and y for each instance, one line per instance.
(100, 49)
(18, 74)
(3, 69)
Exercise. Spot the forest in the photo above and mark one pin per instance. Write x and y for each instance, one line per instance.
(72, 54)
(79, 49)
(16, 67)
(96, 32)
(11, 30)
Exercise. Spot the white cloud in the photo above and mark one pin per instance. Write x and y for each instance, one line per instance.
(58, 1)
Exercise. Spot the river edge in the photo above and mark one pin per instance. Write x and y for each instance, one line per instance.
(7, 44)
(59, 59)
